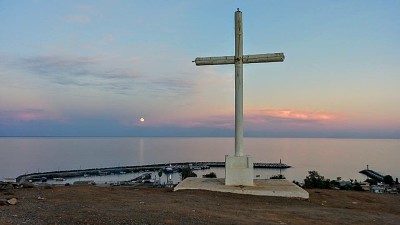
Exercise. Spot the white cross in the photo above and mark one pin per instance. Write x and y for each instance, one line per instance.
(239, 59)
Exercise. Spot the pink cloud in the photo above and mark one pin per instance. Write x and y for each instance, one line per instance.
(219, 121)
(289, 120)
(27, 115)
(257, 119)
(289, 115)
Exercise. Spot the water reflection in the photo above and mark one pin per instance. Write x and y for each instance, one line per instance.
(330, 157)
(141, 151)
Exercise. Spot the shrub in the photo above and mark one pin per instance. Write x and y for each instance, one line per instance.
(297, 183)
(314, 180)
(187, 172)
(280, 176)
(388, 179)
(210, 175)
(357, 187)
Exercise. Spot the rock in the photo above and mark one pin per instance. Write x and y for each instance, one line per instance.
(12, 201)
(85, 182)
(28, 185)
(40, 198)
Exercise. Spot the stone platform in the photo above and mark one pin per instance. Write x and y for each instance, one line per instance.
(271, 187)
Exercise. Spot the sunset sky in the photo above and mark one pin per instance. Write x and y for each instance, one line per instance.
(95, 68)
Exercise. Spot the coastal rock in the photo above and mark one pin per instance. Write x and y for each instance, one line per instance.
(27, 185)
(12, 201)
(85, 182)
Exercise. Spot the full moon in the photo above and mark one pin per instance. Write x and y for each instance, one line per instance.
(141, 119)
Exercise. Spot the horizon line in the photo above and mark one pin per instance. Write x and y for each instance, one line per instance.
(188, 136)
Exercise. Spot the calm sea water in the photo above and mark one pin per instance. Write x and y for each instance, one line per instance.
(330, 157)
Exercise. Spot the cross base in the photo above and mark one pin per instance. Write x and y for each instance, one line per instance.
(239, 170)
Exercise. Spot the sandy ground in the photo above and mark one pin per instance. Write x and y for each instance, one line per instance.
(128, 205)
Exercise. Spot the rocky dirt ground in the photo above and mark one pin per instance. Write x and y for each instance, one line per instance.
(128, 205)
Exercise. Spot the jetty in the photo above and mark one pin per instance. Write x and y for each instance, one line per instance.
(44, 176)
(373, 175)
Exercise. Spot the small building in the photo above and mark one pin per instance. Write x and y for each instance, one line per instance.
(380, 189)
(396, 188)
(9, 180)
(365, 186)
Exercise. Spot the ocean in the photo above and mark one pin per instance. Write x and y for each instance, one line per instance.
(332, 158)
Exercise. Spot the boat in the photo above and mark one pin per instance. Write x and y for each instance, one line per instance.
(200, 167)
(168, 169)
(171, 169)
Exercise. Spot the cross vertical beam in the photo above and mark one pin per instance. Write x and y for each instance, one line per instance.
(239, 168)
(238, 84)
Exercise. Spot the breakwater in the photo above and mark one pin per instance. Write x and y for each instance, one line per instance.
(131, 169)
(373, 175)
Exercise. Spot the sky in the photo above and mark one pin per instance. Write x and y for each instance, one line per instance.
(95, 68)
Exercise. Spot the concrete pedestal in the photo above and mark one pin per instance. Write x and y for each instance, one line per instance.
(272, 187)
(239, 170)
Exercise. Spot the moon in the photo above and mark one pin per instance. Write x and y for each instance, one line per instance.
(141, 119)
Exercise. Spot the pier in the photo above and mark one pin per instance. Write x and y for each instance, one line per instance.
(131, 169)
(373, 175)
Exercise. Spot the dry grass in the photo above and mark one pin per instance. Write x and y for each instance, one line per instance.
(122, 205)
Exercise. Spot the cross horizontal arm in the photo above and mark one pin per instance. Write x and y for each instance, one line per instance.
(264, 58)
(222, 60)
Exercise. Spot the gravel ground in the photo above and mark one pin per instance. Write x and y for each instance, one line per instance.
(128, 205)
